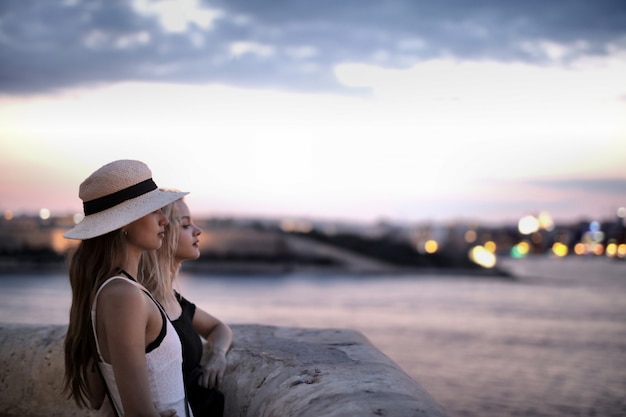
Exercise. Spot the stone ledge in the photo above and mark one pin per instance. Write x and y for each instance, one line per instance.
(272, 372)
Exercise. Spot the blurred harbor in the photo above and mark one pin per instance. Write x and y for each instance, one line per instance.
(250, 245)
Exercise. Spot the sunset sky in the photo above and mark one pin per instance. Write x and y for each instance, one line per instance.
(358, 109)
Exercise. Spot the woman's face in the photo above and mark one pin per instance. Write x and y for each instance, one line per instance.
(147, 233)
(188, 242)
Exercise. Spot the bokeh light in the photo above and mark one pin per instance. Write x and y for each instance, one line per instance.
(580, 249)
(559, 249)
(528, 225)
(520, 250)
(470, 236)
(598, 249)
(611, 249)
(490, 246)
(431, 246)
(483, 257)
(44, 214)
(545, 221)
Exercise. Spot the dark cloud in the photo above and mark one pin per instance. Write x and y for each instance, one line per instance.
(616, 186)
(46, 45)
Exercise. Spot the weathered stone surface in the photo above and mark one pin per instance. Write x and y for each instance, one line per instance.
(31, 369)
(272, 372)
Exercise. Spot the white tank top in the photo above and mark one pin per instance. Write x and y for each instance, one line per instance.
(164, 364)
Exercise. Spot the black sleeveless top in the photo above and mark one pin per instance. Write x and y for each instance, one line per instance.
(204, 402)
(189, 338)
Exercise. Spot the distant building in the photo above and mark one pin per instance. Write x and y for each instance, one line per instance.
(21, 234)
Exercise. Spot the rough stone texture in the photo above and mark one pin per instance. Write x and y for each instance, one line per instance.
(272, 372)
(31, 372)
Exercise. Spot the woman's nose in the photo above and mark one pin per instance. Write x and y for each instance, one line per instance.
(162, 218)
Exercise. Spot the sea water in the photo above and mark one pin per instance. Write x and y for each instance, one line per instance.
(551, 342)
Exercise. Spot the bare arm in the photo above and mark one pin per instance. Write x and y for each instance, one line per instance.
(128, 318)
(219, 338)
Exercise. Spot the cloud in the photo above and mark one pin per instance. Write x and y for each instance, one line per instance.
(45, 46)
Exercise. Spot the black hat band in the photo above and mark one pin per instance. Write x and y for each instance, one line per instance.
(112, 200)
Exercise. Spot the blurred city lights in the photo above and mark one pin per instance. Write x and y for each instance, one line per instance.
(611, 250)
(520, 250)
(490, 246)
(598, 249)
(591, 241)
(528, 225)
(470, 236)
(580, 249)
(431, 246)
(44, 214)
(536, 235)
(483, 257)
(594, 226)
(545, 221)
(559, 249)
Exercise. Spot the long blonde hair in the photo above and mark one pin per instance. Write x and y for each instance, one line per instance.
(93, 261)
(158, 268)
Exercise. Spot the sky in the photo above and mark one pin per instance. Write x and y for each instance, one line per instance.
(397, 110)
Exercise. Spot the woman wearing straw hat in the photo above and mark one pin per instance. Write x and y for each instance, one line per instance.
(114, 321)
(159, 274)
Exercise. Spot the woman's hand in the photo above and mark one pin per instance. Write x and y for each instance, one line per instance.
(218, 338)
(213, 371)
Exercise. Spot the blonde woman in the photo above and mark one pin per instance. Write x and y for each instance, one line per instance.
(181, 243)
(117, 332)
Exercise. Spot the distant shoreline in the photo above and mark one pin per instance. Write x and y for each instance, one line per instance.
(267, 268)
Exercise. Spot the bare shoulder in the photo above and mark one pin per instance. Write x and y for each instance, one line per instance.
(122, 294)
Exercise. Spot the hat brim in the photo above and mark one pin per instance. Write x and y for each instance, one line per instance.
(106, 221)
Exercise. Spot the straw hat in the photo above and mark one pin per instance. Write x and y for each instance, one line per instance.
(118, 194)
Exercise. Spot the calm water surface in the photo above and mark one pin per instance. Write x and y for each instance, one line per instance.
(551, 343)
